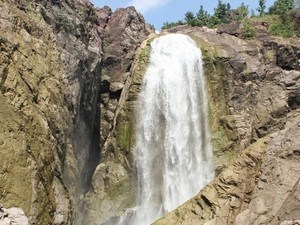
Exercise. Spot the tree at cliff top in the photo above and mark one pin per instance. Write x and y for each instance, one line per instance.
(262, 7)
(239, 14)
(281, 7)
(221, 11)
(222, 14)
(284, 26)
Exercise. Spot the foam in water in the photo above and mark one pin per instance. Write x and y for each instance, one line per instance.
(174, 156)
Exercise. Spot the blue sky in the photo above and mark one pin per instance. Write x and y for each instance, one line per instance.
(156, 12)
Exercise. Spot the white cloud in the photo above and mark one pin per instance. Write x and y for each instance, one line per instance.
(144, 6)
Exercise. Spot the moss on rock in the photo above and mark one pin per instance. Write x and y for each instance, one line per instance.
(217, 89)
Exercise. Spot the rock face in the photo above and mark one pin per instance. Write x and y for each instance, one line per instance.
(253, 89)
(124, 32)
(70, 75)
(114, 189)
(13, 216)
(52, 56)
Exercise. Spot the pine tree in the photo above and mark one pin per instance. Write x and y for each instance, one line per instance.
(189, 17)
(262, 7)
(202, 17)
(221, 11)
(238, 14)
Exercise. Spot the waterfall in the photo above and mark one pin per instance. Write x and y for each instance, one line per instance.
(174, 156)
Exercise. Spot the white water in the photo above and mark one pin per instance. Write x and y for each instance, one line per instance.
(174, 156)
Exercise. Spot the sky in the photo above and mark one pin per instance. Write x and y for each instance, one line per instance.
(156, 12)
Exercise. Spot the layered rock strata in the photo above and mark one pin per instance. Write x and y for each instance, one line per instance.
(52, 56)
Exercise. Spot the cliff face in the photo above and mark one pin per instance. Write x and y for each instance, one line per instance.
(52, 56)
(70, 75)
(35, 119)
(112, 188)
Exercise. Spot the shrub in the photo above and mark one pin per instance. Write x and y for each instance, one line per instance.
(64, 22)
(282, 29)
(248, 31)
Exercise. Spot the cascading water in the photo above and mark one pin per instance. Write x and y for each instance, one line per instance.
(174, 156)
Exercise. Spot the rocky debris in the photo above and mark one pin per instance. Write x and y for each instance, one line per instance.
(12, 216)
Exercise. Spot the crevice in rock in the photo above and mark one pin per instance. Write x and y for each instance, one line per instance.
(94, 154)
(294, 100)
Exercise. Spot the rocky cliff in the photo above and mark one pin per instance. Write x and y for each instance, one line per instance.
(254, 104)
(53, 55)
(253, 88)
(70, 75)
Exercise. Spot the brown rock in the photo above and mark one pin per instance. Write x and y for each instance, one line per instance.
(232, 28)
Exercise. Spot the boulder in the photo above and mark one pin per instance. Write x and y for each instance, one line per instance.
(13, 215)
(232, 28)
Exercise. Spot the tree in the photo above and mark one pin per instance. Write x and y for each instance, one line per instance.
(261, 7)
(202, 17)
(238, 14)
(281, 7)
(243, 10)
(167, 25)
(228, 6)
(221, 10)
(189, 17)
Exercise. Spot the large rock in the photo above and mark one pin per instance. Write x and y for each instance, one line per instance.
(13, 215)
(113, 191)
(114, 180)
(123, 34)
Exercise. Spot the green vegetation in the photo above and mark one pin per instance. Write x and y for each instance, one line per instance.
(283, 29)
(64, 22)
(284, 26)
(281, 10)
(222, 14)
(281, 7)
(167, 25)
(248, 31)
(126, 136)
(29, 7)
